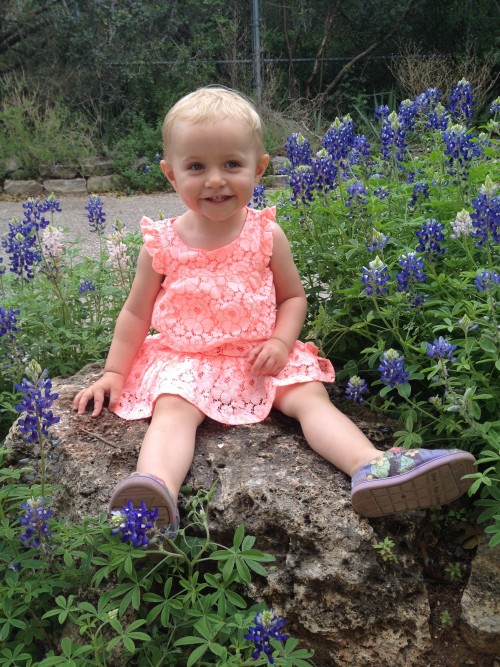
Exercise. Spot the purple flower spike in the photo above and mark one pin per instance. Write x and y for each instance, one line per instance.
(392, 370)
(441, 348)
(355, 389)
(133, 524)
(266, 626)
(35, 524)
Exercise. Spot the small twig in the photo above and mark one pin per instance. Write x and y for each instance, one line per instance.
(99, 437)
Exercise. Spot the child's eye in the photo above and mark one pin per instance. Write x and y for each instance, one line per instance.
(195, 166)
(232, 164)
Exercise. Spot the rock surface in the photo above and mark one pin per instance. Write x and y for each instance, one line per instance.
(338, 597)
(481, 603)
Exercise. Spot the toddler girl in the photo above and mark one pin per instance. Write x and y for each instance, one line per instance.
(220, 286)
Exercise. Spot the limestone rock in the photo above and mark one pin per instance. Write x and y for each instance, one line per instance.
(106, 183)
(337, 596)
(29, 188)
(58, 171)
(65, 185)
(99, 167)
(481, 602)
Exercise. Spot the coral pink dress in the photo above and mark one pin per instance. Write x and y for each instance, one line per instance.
(213, 307)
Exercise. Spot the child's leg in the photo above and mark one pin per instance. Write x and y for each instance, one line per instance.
(382, 482)
(168, 447)
(327, 430)
(164, 460)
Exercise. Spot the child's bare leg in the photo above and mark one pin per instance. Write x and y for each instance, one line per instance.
(327, 430)
(382, 482)
(168, 447)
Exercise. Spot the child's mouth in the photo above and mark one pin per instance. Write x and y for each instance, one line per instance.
(218, 199)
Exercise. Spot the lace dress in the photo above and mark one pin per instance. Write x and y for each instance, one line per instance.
(213, 307)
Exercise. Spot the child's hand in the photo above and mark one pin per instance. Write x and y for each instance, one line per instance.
(110, 384)
(269, 358)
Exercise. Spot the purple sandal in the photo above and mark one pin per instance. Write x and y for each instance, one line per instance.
(144, 487)
(407, 479)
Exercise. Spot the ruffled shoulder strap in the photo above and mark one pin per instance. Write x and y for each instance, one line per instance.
(157, 238)
(266, 222)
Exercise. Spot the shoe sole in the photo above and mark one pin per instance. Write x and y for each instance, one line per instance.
(432, 484)
(142, 488)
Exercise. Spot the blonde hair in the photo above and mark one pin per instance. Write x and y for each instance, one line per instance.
(214, 103)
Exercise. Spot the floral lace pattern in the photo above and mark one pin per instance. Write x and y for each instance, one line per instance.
(214, 306)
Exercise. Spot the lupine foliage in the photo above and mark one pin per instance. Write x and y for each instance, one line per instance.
(403, 285)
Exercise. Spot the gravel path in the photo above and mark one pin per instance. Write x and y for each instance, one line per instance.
(73, 219)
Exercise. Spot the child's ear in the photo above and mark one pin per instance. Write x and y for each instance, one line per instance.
(261, 167)
(168, 172)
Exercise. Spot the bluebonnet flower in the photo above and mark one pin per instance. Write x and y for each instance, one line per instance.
(8, 322)
(133, 524)
(495, 106)
(34, 520)
(438, 118)
(360, 150)
(355, 389)
(461, 101)
(33, 210)
(96, 215)
(393, 138)
(408, 110)
(267, 626)
(410, 177)
(381, 112)
(428, 99)
(357, 194)
(430, 237)
(302, 180)
(36, 402)
(486, 280)
(339, 138)
(147, 169)
(298, 150)
(382, 192)
(378, 241)
(259, 199)
(86, 286)
(465, 323)
(441, 348)
(486, 216)
(392, 370)
(461, 149)
(420, 191)
(325, 171)
(462, 225)
(51, 205)
(412, 272)
(376, 277)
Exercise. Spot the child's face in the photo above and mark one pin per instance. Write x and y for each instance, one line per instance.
(214, 166)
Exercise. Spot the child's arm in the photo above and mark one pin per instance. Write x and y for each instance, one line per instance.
(131, 329)
(269, 357)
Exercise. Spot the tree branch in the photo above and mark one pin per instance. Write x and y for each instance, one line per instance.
(331, 16)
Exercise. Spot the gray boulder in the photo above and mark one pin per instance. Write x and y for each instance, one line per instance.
(338, 597)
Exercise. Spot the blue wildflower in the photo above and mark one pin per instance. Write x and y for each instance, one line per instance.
(392, 368)
(37, 400)
(393, 138)
(430, 237)
(298, 150)
(259, 199)
(357, 194)
(8, 322)
(486, 280)
(461, 101)
(376, 277)
(34, 520)
(355, 389)
(412, 271)
(381, 112)
(495, 106)
(360, 150)
(486, 217)
(420, 192)
(325, 171)
(378, 241)
(51, 205)
(408, 110)
(339, 138)
(133, 524)
(86, 286)
(441, 348)
(96, 215)
(438, 119)
(382, 192)
(267, 626)
(302, 181)
(461, 149)
(428, 99)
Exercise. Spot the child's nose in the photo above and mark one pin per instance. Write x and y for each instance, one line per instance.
(215, 178)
